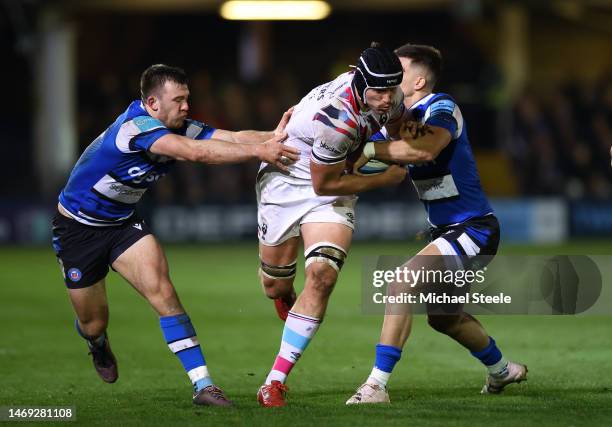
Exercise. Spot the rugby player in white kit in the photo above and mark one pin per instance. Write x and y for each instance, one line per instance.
(315, 199)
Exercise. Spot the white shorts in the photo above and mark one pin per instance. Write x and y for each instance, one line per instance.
(284, 203)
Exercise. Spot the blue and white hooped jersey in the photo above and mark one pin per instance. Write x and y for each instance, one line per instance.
(448, 186)
(117, 168)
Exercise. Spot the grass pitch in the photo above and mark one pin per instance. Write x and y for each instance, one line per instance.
(44, 362)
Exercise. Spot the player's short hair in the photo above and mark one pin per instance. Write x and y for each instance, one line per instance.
(157, 75)
(427, 56)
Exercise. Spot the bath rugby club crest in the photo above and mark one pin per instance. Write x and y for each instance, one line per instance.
(74, 274)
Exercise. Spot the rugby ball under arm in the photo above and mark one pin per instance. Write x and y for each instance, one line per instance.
(373, 167)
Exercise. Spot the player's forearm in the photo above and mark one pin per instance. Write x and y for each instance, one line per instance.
(214, 151)
(252, 136)
(424, 137)
(347, 185)
(401, 152)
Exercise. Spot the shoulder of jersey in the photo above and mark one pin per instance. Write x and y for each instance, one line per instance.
(141, 120)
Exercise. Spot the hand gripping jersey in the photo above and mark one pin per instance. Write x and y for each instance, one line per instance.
(117, 168)
(449, 186)
(328, 127)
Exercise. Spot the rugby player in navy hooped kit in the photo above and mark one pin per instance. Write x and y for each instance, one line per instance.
(96, 227)
(463, 224)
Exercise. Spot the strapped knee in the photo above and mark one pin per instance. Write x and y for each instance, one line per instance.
(278, 272)
(327, 253)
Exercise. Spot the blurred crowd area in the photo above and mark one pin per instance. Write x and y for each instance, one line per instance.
(554, 139)
(561, 139)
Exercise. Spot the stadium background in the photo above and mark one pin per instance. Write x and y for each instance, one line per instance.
(534, 82)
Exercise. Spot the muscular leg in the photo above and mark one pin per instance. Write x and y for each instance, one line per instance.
(396, 329)
(397, 326)
(305, 317)
(278, 256)
(320, 277)
(468, 332)
(463, 328)
(145, 267)
(91, 307)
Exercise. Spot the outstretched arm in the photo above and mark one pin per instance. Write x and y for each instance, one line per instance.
(216, 151)
(243, 136)
(254, 136)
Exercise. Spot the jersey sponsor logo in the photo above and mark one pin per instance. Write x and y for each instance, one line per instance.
(124, 190)
(75, 274)
(442, 187)
(329, 148)
(147, 123)
(110, 188)
(140, 176)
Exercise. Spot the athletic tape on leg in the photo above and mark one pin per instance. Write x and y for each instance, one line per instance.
(327, 253)
(278, 271)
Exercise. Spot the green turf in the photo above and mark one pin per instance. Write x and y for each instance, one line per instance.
(43, 362)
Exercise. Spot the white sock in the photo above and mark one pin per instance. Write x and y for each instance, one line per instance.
(500, 369)
(379, 377)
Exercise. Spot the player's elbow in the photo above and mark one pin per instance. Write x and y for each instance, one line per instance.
(322, 188)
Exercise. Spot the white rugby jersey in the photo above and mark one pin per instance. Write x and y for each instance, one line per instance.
(328, 127)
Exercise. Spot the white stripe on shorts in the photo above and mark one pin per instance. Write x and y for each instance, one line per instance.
(451, 258)
(444, 246)
(468, 245)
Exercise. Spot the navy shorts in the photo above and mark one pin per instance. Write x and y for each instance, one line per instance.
(85, 252)
(470, 245)
(476, 236)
